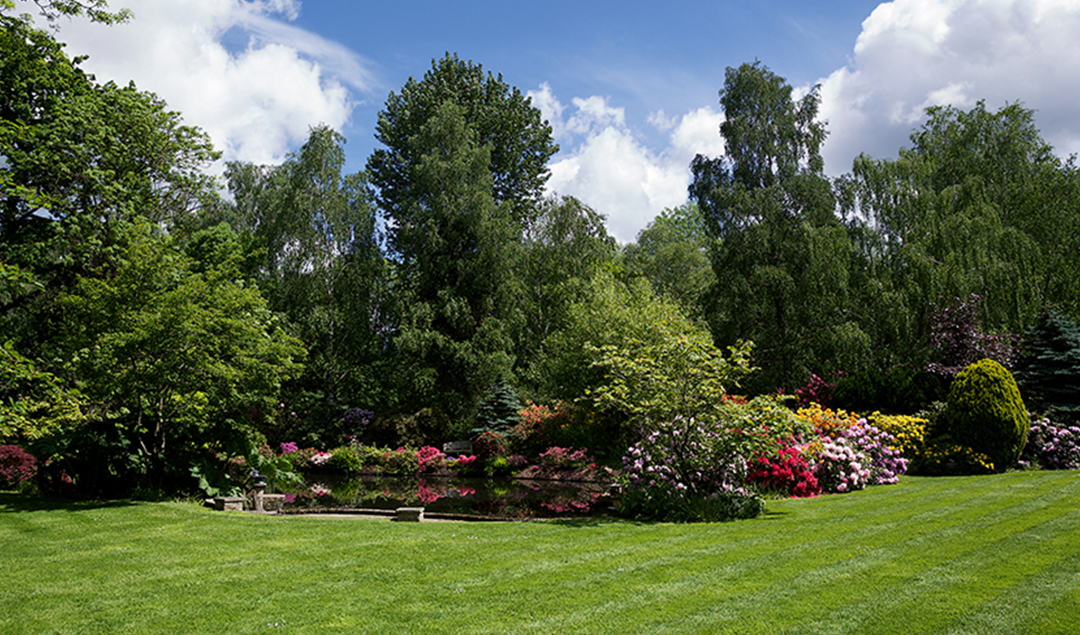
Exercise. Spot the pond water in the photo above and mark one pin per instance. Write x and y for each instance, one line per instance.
(451, 495)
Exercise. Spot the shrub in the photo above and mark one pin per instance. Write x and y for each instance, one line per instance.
(942, 456)
(1052, 447)
(879, 450)
(429, 458)
(16, 467)
(826, 422)
(985, 413)
(401, 461)
(490, 443)
(787, 473)
(565, 458)
(908, 432)
(816, 390)
(841, 467)
(683, 472)
(345, 459)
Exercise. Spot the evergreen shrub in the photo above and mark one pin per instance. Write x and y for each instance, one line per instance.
(985, 413)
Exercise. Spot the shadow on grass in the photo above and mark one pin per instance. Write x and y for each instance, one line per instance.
(13, 502)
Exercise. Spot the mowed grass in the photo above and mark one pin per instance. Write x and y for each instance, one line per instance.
(988, 554)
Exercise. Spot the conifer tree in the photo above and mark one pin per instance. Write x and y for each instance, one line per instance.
(1050, 369)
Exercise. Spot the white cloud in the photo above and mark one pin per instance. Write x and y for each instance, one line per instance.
(609, 168)
(912, 54)
(256, 103)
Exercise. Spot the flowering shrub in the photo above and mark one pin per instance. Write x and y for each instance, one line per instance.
(429, 458)
(943, 456)
(840, 467)
(565, 458)
(288, 448)
(786, 473)
(879, 454)
(355, 421)
(816, 391)
(684, 471)
(490, 443)
(1052, 447)
(16, 466)
(907, 432)
(827, 422)
(461, 463)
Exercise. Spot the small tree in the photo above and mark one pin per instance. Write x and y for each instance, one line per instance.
(1049, 373)
(957, 339)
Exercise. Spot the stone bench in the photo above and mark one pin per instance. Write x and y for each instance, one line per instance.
(457, 447)
(230, 503)
(409, 514)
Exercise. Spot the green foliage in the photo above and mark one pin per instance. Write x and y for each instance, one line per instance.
(985, 413)
(897, 390)
(499, 117)
(178, 360)
(780, 256)
(33, 403)
(310, 240)
(1049, 374)
(95, 10)
(610, 313)
(456, 249)
(977, 204)
(679, 377)
(672, 252)
(565, 247)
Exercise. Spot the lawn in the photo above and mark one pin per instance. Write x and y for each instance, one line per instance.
(986, 554)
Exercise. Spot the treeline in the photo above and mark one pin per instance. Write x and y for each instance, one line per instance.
(153, 324)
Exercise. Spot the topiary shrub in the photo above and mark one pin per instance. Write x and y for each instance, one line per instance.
(985, 413)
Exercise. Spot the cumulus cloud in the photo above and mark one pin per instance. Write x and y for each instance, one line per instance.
(257, 100)
(606, 165)
(913, 54)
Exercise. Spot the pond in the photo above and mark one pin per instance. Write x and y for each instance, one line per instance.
(451, 496)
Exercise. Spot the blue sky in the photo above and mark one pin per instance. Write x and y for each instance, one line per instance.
(630, 88)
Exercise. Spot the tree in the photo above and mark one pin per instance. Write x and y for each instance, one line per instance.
(172, 361)
(315, 253)
(456, 250)
(96, 10)
(501, 118)
(565, 247)
(84, 159)
(1049, 372)
(977, 205)
(780, 255)
(672, 252)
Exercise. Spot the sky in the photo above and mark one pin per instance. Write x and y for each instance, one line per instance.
(630, 88)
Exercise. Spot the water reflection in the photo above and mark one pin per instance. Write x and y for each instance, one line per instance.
(500, 498)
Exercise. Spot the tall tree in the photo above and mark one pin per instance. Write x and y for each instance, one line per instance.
(317, 258)
(977, 205)
(503, 119)
(459, 179)
(457, 250)
(565, 246)
(780, 254)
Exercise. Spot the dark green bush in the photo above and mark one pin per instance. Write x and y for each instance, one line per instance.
(985, 413)
(898, 390)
